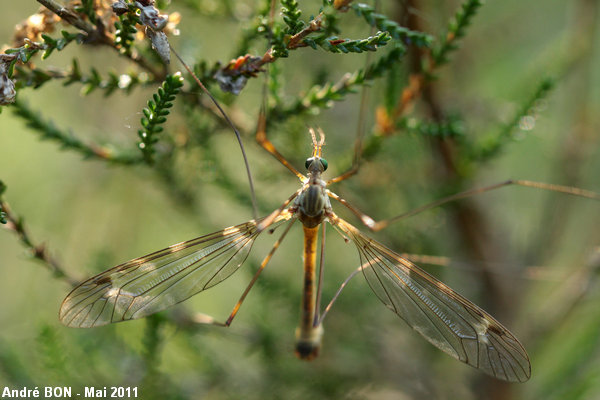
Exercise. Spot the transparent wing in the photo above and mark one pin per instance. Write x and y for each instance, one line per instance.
(445, 318)
(159, 280)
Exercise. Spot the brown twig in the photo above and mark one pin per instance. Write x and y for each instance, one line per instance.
(37, 251)
(94, 35)
(98, 35)
(296, 40)
(469, 219)
(252, 65)
(180, 318)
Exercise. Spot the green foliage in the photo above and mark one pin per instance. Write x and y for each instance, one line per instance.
(323, 96)
(424, 134)
(156, 114)
(58, 44)
(330, 22)
(152, 340)
(453, 127)
(87, 8)
(384, 64)
(67, 140)
(125, 32)
(325, 27)
(291, 16)
(93, 81)
(335, 45)
(279, 42)
(456, 30)
(523, 120)
(48, 45)
(52, 353)
(275, 84)
(36, 77)
(396, 31)
(17, 372)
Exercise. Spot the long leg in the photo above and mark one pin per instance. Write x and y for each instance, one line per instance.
(443, 261)
(317, 318)
(353, 170)
(263, 264)
(378, 225)
(261, 138)
(360, 132)
(337, 294)
(357, 147)
(261, 128)
(355, 164)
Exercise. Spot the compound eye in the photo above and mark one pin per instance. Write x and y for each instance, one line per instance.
(324, 163)
(308, 162)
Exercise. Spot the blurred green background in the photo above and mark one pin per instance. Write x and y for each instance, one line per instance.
(540, 248)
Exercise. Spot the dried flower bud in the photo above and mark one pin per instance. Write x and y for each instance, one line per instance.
(151, 18)
(160, 43)
(120, 7)
(44, 21)
(8, 92)
(155, 23)
(341, 5)
(231, 84)
(233, 77)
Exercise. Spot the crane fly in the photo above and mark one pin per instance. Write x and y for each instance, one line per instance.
(154, 282)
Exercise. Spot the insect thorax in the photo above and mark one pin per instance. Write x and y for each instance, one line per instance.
(312, 203)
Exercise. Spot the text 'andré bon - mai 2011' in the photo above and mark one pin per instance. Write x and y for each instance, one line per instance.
(65, 392)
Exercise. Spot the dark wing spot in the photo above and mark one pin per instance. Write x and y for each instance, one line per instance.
(496, 329)
(102, 280)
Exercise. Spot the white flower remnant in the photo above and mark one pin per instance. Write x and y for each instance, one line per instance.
(160, 43)
(8, 92)
(155, 23)
(119, 7)
(151, 18)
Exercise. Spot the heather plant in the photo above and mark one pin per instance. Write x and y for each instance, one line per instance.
(111, 149)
